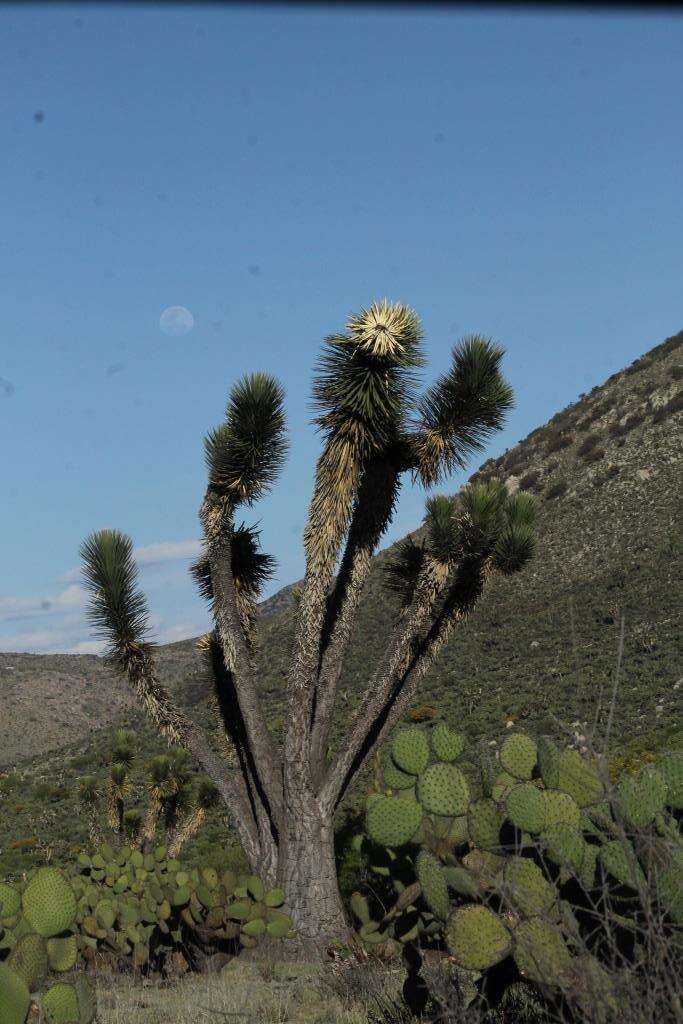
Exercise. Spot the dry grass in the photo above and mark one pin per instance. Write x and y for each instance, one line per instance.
(288, 994)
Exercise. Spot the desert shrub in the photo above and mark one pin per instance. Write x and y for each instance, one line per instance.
(638, 366)
(557, 489)
(588, 444)
(674, 404)
(558, 440)
(529, 482)
(48, 791)
(634, 420)
(9, 783)
(609, 474)
(594, 454)
(82, 761)
(599, 410)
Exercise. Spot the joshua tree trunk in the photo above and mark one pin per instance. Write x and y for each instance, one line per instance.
(308, 873)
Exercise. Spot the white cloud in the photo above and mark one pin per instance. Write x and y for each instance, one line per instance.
(89, 647)
(36, 641)
(167, 551)
(151, 554)
(181, 631)
(61, 625)
(12, 608)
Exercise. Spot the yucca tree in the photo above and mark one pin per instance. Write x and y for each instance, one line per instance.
(205, 797)
(376, 431)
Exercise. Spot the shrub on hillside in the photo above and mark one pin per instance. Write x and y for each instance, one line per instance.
(674, 404)
(588, 444)
(558, 440)
(529, 482)
(557, 489)
(638, 366)
(677, 371)
(594, 454)
(619, 429)
(609, 474)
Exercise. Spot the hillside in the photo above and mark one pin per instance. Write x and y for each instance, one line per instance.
(541, 647)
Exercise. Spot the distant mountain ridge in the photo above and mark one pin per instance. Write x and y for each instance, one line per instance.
(607, 472)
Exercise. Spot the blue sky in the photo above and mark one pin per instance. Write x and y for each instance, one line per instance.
(516, 174)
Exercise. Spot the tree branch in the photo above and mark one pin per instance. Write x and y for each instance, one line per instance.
(379, 691)
(239, 662)
(376, 718)
(175, 727)
(372, 513)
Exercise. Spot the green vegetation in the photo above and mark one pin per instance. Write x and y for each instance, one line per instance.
(541, 860)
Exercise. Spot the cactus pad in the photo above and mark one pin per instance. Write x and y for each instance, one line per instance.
(540, 951)
(579, 777)
(14, 997)
(447, 744)
(484, 821)
(431, 877)
(525, 886)
(619, 860)
(560, 808)
(564, 846)
(549, 762)
(60, 1004)
(525, 805)
(460, 880)
(671, 770)
(640, 798)
(518, 755)
(443, 789)
(62, 953)
(49, 902)
(502, 785)
(360, 907)
(394, 778)
(476, 938)
(392, 820)
(410, 750)
(28, 959)
(10, 900)
(458, 831)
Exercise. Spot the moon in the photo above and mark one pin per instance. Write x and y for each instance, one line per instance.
(176, 320)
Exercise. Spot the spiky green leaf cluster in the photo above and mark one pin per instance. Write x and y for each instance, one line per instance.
(460, 410)
(364, 381)
(117, 609)
(251, 567)
(245, 453)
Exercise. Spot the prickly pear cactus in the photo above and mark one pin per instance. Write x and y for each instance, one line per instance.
(500, 860)
(144, 909)
(39, 953)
